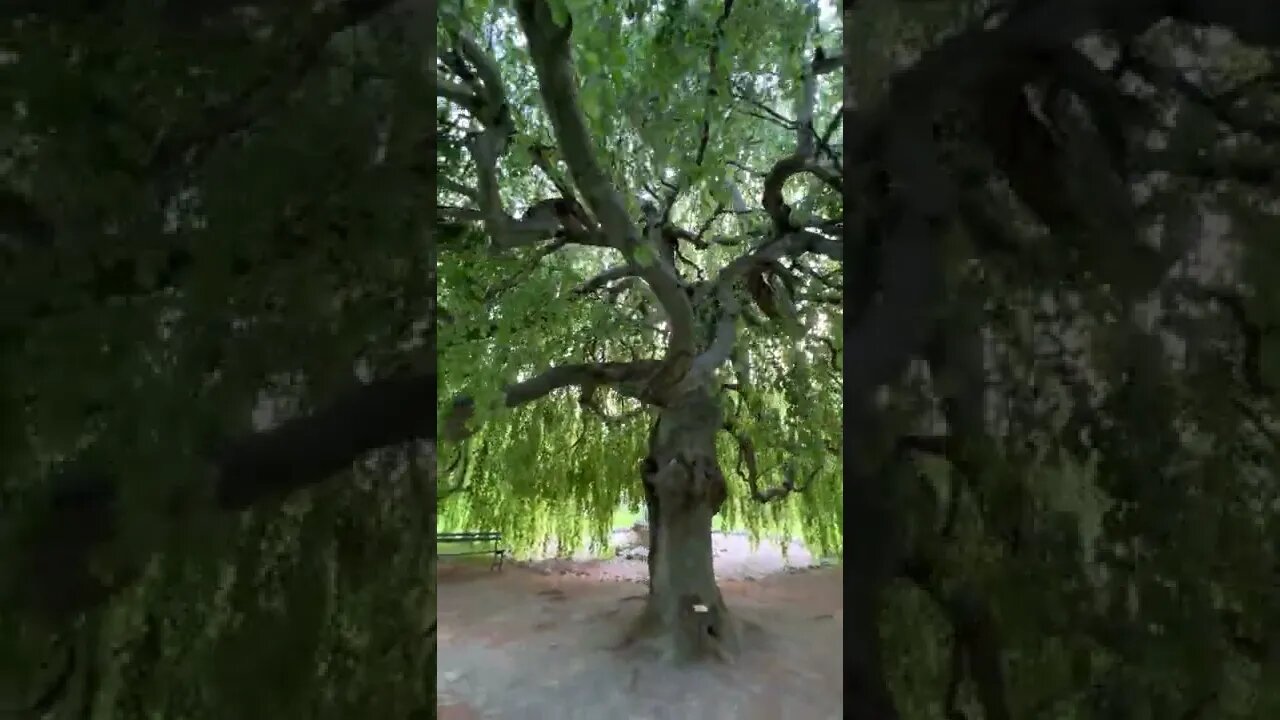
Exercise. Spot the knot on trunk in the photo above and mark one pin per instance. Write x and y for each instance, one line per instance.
(689, 480)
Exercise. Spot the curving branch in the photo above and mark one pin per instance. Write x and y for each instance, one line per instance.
(183, 151)
(631, 379)
(898, 135)
(787, 168)
(550, 50)
(725, 286)
(803, 159)
(456, 92)
(605, 278)
(750, 471)
(55, 572)
(483, 94)
(587, 400)
(825, 61)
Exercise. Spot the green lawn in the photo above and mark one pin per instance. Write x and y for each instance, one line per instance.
(624, 518)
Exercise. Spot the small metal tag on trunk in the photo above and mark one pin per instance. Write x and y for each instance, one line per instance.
(699, 608)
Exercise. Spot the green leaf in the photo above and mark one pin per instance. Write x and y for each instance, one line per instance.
(559, 12)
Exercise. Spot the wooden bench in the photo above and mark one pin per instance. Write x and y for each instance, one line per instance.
(497, 551)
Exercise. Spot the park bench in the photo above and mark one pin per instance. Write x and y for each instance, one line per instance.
(497, 551)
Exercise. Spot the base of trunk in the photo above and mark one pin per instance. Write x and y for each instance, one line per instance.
(699, 632)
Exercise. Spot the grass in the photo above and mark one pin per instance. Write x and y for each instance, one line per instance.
(624, 518)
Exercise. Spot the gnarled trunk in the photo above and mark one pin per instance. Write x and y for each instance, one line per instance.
(684, 488)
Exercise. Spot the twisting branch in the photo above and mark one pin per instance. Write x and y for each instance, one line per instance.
(725, 285)
(464, 458)
(750, 470)
(825, 61)
(550, 50)
(631, 379)
(483, 94)
(58, 578)
(605, 278)
(456, 187)
(803, 159)
(186, 150)
(587, 400)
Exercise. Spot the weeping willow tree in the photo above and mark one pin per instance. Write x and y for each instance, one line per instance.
(1060, 383)
(215, 293)
(639, 278)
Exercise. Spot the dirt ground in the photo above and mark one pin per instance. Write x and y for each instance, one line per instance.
(538, 640)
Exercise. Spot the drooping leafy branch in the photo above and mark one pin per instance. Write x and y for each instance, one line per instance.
(1029, 143)
(217, 294)
(688, 276)
(642, 243)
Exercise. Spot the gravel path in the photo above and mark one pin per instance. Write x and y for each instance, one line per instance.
(537, 641)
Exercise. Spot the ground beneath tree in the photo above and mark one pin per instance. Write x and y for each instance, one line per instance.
(537, 640)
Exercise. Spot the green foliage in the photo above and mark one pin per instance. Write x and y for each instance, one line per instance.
(230, 226)
(1119, 517)
(552, 469)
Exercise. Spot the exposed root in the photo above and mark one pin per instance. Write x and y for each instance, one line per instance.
(703, 632)
(644, 626)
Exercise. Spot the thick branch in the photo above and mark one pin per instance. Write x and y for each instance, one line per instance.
(920, 199)
(725, 289)
(55, 572)
(604, 278)
(628, 378)
(549, 47)
(272, 88)
(784, 170)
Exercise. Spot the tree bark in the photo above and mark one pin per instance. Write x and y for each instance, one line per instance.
(684, 489)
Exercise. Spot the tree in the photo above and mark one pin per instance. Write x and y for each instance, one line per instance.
(216, 292)
(1085, 400)
(596, 179)
(1059, 401)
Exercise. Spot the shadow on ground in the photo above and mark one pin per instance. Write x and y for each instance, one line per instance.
(538, 641)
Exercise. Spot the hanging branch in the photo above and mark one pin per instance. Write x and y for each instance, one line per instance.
(974, 633)
(464, 458)
(80, 516)
(750, 471)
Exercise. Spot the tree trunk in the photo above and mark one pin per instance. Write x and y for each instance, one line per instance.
(684, 488)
